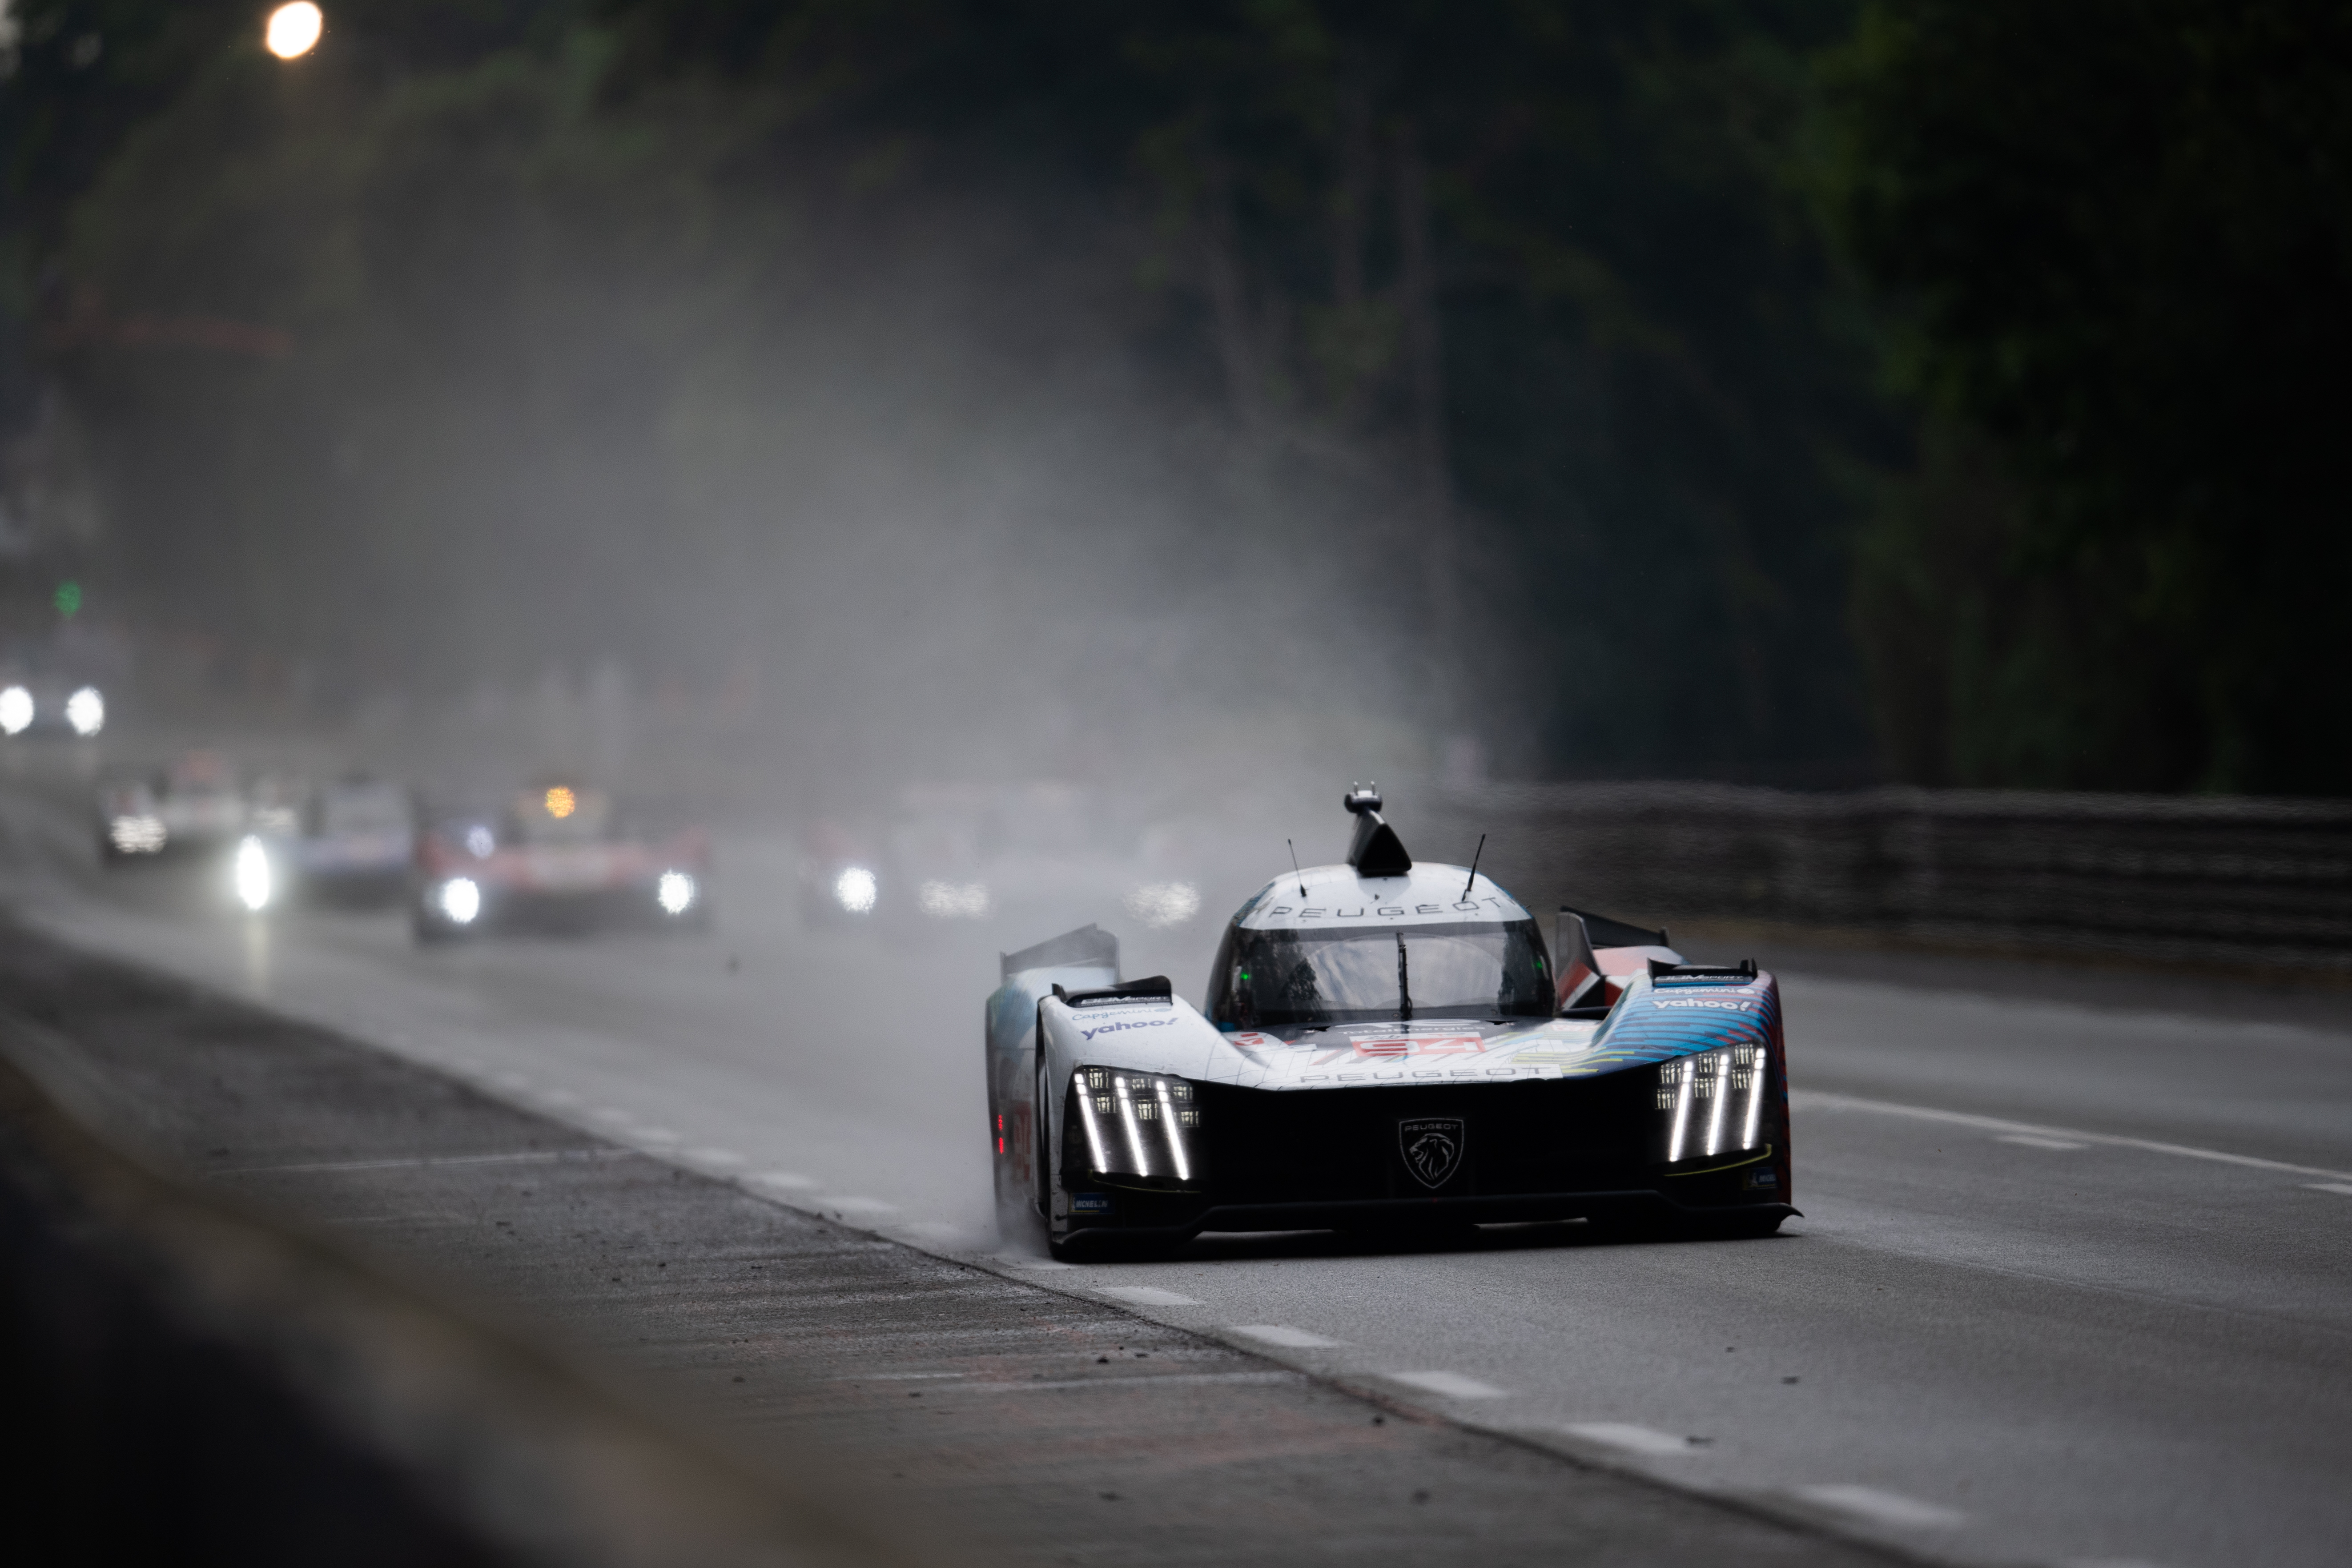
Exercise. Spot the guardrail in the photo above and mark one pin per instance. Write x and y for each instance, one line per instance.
(2209, 879)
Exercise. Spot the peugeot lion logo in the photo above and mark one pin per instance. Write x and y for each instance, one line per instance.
(1431, 1146)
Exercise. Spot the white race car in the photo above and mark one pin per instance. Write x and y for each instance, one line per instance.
(1386, 1046)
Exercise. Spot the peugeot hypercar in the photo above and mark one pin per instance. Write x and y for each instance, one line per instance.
(1387, 1045)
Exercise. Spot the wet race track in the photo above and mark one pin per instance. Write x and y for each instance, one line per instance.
(2073, 1282)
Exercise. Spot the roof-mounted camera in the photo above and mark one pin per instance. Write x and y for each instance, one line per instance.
(1376, 851)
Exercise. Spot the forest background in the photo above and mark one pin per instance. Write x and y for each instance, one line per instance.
(1809, 392)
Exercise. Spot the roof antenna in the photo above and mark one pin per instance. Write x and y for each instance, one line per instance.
(1471, 880)
(1296, 871)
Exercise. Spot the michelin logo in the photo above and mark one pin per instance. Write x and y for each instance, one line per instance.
(1137, 1023)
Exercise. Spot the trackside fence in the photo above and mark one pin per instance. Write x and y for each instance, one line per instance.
(2209, 879)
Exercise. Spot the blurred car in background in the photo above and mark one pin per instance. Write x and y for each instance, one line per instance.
(558, 856)
(351, 841)
(34, 705)
(1033, 850)
(196, 805)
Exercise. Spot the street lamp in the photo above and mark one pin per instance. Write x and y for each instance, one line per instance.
(294, 29)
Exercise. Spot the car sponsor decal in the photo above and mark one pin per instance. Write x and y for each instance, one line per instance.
(1125, 1024)
(1421, 1046)
(1090, 1203)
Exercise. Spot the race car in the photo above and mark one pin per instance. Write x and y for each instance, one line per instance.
(1384, 1046)
(33, 704)
(196, 805)
(560, 856)
(347, 842)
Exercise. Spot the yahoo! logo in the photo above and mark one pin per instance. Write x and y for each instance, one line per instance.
(1115, 1028)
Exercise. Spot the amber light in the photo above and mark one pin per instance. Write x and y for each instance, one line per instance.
(561, 803)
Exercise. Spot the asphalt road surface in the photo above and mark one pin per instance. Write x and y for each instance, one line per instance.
(2072, 1284)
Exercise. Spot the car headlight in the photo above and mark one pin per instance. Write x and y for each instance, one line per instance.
(1713, 1102)
(137, 833)
(675, 892)
(855, 889)
(953, 901)
(86, 711)
(16, 710)
(460, 899)
(255, 882)
(1137, 1124)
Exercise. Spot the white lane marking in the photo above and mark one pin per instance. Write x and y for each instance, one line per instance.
(655, 1135)
(1820, 1099)
(2035, 1140)
(2344, 1187)
(1132, 1380)
(1289, 1338)
(531, 1157)
(1013, 1262)
(1148, 1295)
(789, 1179)
(1637, 1440)
(1452, 1385)
(896, 1376)
(1883, 1507)
(858, 1206)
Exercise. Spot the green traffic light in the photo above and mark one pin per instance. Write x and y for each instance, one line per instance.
(68, 598)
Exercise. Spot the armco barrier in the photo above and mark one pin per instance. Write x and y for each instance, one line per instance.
(2210, 880)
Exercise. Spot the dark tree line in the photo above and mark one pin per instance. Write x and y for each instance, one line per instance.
(2118, 239)
(1800, 390)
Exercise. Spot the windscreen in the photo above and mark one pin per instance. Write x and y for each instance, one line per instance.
(1277, 979)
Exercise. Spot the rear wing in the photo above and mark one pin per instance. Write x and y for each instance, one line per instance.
(1577, 938)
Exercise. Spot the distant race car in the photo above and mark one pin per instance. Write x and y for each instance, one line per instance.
(1385, 1046)
(351, 841)
(1038, 849)
(196, 805)
(560, 856)
(32, 704)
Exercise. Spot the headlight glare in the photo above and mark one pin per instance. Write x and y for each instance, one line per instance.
(1712, 1102)
(461, 899)
(854, 890)
(1136, 1124)
(675, 892)
(86, 711)
(137, 833)
(255, 882)
(16, 710)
